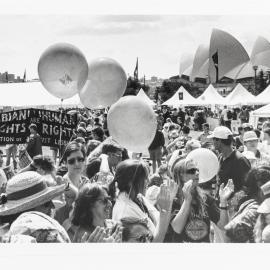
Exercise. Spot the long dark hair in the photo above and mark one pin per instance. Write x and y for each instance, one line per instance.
(87, 197)
(130, 177)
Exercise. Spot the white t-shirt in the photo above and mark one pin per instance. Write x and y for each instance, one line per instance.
(125, 207)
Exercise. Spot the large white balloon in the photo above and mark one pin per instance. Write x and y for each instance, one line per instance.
(207, 163)
(106, 83)
(132, 123)
(63, 70)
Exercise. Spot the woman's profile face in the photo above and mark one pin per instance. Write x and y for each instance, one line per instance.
(191, 172)
(102, 208)
(76, 162)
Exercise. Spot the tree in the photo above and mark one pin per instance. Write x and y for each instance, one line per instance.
(261, 82)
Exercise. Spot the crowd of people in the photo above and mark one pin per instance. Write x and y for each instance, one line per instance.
(98, 191)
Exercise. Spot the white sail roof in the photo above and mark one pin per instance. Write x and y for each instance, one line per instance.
(239, 96)
(187, 72)
(187, 99)
(201, 57)
(260, 54)
(230, 53)
(143, 96)
(32, 94)
(210, 97)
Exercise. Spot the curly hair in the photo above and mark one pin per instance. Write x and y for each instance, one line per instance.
(87, 197)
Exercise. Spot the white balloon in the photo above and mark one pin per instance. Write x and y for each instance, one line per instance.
(207, 162)
(63, 70)
(106, 83)
(132, 123)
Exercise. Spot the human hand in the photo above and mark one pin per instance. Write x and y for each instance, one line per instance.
(187, 190)
(116, 237)
(164, 198)
(173, 188)
(225, 192)
(97, 236)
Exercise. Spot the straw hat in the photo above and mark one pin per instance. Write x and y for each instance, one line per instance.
(26, 191)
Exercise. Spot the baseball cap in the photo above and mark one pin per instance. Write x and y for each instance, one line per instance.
(220, 133)
(250, 136)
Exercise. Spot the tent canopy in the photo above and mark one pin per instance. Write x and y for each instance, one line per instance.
(188, 100)
(32, 94)
(142, 95)
(239, 96)
(261, 112)
(263, 97)
(210, 97)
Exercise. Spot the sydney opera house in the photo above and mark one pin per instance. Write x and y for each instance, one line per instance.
(224, 61)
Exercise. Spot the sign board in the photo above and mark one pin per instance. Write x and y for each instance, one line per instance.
(50, 124)
(235, 124)
(180, 95)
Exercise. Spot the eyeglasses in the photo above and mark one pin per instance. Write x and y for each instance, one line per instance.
(105, 200)
(117, 155)
(192, 171)
(143, 238)
(73, 160)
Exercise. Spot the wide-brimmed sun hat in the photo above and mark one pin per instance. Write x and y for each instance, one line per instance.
(26, 191)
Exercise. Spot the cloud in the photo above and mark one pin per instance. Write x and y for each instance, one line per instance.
(112, 28)
(129, 18)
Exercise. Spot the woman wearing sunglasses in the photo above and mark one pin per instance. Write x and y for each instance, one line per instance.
(195, 208)
(74, 157)
(91, 212)
(128, 190)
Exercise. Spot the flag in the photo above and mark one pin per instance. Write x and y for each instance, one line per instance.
(24, 76)
(215, 60)
(6, 76)
(136, 71)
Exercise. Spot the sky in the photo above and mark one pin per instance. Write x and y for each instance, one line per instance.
(160, 41)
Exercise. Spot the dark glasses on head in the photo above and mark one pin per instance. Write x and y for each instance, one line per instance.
(73, 160)
(144, 238)
(105, 200)
(192, 171)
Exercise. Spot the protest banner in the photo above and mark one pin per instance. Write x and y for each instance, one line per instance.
(52, 126)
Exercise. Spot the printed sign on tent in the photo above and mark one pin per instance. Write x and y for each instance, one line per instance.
(235, 124)
(50, 124)
(180, 95)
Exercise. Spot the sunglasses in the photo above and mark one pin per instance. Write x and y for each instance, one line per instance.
(192, 171)
(144, 238)
(105, 200)
(73, 160)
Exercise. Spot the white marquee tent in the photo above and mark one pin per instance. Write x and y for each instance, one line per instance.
(210, 97)
(143, 96)
(188, 100)
(32, 94)
(263, 97)
(239, 96)
(263, 112)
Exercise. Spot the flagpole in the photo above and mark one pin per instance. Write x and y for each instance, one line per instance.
(60, 139)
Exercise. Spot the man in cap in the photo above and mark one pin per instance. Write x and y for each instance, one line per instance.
(251, 142)
(233, 165)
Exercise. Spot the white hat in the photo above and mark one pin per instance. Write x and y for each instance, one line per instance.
(220, 133)
(264, 208)
(250, 136)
